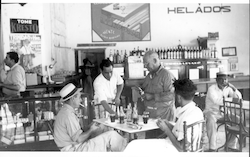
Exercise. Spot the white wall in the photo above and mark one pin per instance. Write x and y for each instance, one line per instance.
(166, 29)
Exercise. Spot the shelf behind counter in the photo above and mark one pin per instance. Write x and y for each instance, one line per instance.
(240, 82)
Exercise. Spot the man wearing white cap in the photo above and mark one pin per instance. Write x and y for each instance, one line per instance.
(212, 113)
(68, 134)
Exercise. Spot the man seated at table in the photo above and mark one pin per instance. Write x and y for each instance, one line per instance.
(188, 111)
(108, 87)
(68, 134)
(214, 100)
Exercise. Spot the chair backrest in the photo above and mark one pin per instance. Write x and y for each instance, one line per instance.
(193, 136)
(234, 115)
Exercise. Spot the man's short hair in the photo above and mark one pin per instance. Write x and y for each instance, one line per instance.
(150, 53)
(13, 55)
(185, 88)
(106, 63)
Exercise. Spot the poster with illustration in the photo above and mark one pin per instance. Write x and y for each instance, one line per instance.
(119, 22)
(29, 49)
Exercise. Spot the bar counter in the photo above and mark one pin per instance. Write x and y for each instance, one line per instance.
(240, 82)
(26, 106)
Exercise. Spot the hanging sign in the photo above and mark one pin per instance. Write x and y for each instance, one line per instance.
(24, 26)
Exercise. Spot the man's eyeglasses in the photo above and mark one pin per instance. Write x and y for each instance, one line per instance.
(146, 64)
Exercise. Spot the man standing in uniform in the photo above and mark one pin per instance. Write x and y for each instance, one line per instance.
(157, 89)
(212, 112)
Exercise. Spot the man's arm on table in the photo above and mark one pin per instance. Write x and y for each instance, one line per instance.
(165, 126)
(10, 86)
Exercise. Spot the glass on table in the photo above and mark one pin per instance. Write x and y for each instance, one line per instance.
(135, 120)
(121, 117)
(145, 118)
(112, 117)
(146, 113)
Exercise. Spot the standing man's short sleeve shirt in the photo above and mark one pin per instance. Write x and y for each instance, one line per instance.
(105, 89)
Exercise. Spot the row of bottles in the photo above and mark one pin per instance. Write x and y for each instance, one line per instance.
(179, 52)
(186, 53)
(131, 114)
(119, 56)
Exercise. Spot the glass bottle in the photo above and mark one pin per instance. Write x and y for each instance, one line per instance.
(129, 113)
(215, 52)
(118, 57)
(135, 114)
(111, 56)
(122, 115)
(114, 57)
(122, 57)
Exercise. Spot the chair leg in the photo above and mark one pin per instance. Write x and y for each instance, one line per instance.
(227, 140)
(240, 143)
(244, 142)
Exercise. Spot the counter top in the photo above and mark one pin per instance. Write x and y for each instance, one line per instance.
(45, 85)
(240, 82)
(212, 80)
(21, 99)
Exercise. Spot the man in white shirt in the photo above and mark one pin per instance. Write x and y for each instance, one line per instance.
(212, 112)
(14, 81)
(68, 134)
(108, 87)
(188, 111)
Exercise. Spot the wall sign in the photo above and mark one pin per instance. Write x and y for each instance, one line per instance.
(114, 22)
(229, 51)
(24, 26)
(28, 46)
(199, 9)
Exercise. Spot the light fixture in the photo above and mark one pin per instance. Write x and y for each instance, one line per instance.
(22, 4)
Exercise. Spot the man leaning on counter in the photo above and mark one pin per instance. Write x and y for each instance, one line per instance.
(13, 81)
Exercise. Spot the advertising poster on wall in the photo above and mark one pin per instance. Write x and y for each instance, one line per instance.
(28, 46)
(119, 22)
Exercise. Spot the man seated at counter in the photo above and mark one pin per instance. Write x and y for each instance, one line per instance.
(188, 111)
(212, 112)
(13, 82)
(108, 87)
(157, 90)
(68, 134)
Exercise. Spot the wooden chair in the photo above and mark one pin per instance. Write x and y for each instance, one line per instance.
(234, 118)
(220, 121)
(195, 131)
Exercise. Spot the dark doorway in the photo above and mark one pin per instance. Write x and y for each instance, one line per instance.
(88, 65)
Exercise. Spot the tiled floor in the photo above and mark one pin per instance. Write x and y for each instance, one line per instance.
(221, 140)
